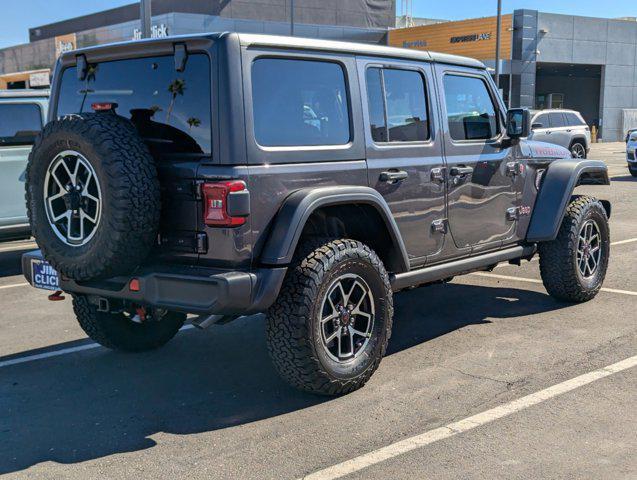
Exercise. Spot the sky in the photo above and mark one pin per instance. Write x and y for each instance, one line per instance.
(18, 16)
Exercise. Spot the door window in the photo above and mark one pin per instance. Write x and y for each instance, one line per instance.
(471, 112)
(557, 120)
(397, 105)
(299, 103)
(19, 123)
(542, 120)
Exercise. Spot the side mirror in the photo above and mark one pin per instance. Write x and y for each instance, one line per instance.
(518, 123)
(537, 125)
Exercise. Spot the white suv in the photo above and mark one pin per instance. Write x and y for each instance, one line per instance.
(22, 114)
(562, 127)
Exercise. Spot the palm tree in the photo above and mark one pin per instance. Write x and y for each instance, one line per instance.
(176, 87)
(193, 122)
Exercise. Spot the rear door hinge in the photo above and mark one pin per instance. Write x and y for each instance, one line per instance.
(439, 225)
(196, 189)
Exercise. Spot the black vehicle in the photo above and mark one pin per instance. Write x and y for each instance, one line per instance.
(226, 175)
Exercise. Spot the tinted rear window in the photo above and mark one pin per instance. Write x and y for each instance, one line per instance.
(574, 120)
(299, 103)
(170, 109)
(19, 123)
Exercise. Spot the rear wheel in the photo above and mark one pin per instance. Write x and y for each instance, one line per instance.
(328, 330)
(633, 171)
(578, 150)
(133, 330)
(573, 266)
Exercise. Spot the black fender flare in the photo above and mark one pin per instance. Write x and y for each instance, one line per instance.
(560, 179)
(297, 208)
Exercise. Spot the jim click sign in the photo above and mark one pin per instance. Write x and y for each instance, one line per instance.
(475, 37)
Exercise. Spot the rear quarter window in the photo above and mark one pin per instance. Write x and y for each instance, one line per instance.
(299, 103)
(170, 109)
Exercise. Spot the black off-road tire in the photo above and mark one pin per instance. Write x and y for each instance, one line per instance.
(633, 171)
(293, 336)
(129, 187)
(117, 332)
(558, 258)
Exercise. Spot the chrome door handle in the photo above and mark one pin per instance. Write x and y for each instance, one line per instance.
(393, 176)
(460, 171)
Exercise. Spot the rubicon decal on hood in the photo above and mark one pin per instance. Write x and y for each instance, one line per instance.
(533, 149)
(545, 151)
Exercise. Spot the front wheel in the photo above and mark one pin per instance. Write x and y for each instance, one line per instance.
(328, 330)
(133, 330)
(573, 266)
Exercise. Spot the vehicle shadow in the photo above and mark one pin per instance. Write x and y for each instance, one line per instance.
(96, 403)
(10, 261)
(624, 178)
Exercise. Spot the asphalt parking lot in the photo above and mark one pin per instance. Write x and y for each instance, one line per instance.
(485, 377)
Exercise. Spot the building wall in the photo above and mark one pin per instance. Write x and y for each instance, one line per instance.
(596, 41)
(444, 37)
(41, 53)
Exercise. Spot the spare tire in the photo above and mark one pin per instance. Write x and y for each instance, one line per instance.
(93, 196)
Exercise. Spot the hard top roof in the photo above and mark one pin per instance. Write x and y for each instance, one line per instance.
(19, 93)
(286, 42)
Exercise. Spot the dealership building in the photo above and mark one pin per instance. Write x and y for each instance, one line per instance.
(547, 60)
(550, 61)
(29, 65)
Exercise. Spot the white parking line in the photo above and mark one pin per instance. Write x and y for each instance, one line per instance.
(622, 242)
(418, 441)
(13, 285)
(533, 280)
(63, 351)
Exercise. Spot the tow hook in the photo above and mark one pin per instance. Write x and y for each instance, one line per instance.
(57, 296)
(140, 316)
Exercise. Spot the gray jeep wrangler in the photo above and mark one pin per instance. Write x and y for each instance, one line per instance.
(225, 175)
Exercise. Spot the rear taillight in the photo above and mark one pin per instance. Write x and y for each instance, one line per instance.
(218, 198)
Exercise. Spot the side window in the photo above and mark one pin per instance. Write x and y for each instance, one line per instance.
(557, 120)
(19, 123)
(397, 105)
(299, 103)
(376, 104)
(542, 120)
(573, 120)
(470, 110)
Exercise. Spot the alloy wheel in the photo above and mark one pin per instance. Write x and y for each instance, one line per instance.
(589, 249)
(72, 198)
(347, 317)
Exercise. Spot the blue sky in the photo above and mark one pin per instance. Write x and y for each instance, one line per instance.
(18, 16)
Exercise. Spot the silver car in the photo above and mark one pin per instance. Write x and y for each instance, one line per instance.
(631, 152)
(22, 114)
(566, 128)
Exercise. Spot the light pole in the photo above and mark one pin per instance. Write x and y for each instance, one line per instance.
(292, 17)
(144, 16)
(497, 45)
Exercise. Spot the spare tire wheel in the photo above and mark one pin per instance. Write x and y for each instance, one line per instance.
(92, 195)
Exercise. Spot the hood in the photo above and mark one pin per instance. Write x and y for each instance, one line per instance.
(542, 151)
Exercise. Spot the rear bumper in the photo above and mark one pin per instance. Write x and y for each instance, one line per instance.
(183, 288)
